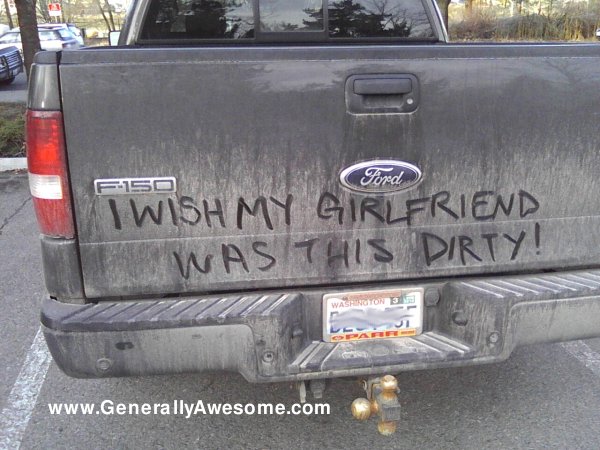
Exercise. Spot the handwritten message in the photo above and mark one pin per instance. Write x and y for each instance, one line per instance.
(277, 214)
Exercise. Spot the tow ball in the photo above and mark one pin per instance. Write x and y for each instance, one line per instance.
(382, 400)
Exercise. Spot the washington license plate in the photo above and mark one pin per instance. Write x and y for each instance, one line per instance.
(353, 316)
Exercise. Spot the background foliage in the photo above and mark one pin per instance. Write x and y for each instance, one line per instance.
(12, 133)
(524, 20)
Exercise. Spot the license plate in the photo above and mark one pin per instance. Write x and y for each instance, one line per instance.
(353, 316)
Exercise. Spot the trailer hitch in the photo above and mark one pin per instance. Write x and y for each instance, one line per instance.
(382, 400)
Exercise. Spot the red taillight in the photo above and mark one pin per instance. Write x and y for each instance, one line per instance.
(48, 181)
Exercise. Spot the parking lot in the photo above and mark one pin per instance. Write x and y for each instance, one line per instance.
(545, 396)
(16, 91)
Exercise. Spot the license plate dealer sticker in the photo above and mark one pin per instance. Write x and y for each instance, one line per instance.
(353, 316)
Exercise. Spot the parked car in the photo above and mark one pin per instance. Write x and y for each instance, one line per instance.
(11, 64)
(598, 33)
(77, 33)
(50, 39)
(66, 36)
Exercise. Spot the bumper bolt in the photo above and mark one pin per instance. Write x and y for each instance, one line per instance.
(103, 364)
(494, 337)
(268, 356)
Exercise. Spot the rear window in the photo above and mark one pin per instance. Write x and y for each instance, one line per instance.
(49, 35)
(73, 29)
(10, 38)
(64, 33)
(286, 20)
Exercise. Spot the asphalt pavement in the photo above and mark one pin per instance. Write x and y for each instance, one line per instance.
(544, 396)
(16, 92)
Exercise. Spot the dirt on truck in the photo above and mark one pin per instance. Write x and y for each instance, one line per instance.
(303, 191)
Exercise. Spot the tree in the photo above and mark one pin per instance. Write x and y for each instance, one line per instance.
(42, 11)
(444, 9)
(108, 19)
(29, 33)
(8, 16)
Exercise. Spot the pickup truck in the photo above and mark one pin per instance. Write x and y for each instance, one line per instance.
(11, 64)
(298, 191)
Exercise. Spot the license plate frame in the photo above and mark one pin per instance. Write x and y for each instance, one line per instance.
(373, 314)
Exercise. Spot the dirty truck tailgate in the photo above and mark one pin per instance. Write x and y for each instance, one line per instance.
(278, 210)
(243, 149)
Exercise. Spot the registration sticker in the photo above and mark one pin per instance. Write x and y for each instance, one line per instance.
(359, 315)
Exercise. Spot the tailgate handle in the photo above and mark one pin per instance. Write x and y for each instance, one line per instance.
(382, 93)
(383, 86)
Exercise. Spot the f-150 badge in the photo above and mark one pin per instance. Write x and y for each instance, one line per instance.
(151, 185)
(380, 176)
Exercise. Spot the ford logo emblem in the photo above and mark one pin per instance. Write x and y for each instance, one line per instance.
(380, 176)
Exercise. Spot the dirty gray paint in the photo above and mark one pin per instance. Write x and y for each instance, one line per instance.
(232, 332)
(230, 124)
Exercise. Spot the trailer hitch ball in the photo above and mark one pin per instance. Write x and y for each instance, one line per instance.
(382, 400)
(361, 409)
